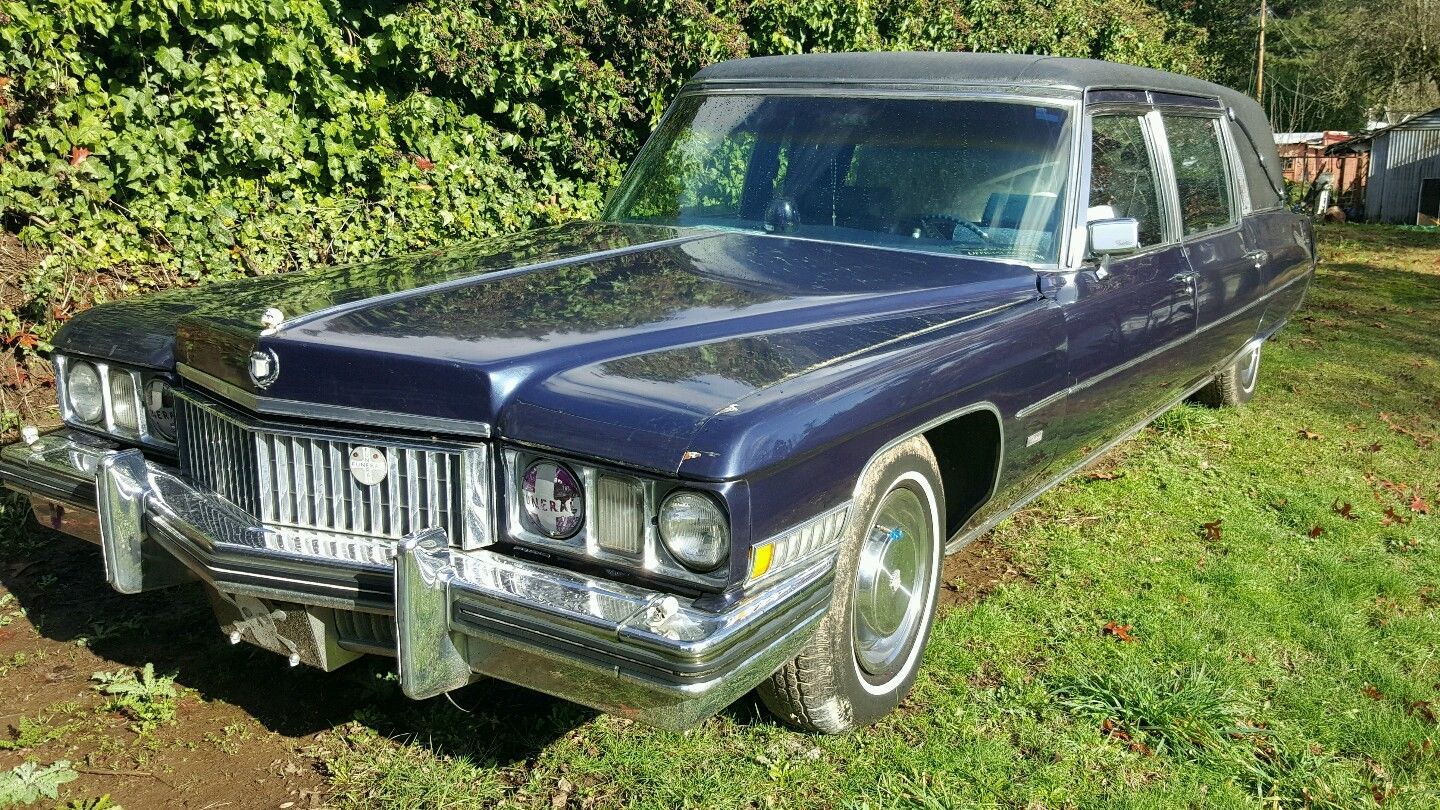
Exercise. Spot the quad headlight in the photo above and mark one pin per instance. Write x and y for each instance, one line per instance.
(695, 530)
(84, 395)
(127, 403)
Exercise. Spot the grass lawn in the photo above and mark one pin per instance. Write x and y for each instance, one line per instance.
(1236, 608)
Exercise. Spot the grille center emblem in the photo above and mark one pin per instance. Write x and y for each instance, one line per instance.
(264, 368)
(369, 465)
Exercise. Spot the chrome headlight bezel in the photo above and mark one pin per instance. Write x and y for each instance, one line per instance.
(116, 381)
(75, 381)
(687, 544)
(615, 500)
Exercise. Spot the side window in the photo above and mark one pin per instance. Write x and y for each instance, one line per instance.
(1200, 175)
(1122, 176)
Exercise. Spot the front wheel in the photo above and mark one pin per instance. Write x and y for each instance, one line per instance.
(862, 660)
(1235, 385)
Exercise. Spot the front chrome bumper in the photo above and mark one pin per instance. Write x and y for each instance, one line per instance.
(623, 649)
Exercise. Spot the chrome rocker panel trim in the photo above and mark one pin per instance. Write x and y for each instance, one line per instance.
(623, 649)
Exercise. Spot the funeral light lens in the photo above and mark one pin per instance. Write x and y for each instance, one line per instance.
(160, 409)
(553, 499)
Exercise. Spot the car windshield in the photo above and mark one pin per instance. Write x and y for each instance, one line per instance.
(971, 177)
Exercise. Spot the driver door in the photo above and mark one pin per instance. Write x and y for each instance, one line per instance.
(1128, 317)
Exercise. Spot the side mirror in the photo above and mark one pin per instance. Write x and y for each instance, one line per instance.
(1112, 237)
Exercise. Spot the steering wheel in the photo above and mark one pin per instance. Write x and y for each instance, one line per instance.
(942, 226)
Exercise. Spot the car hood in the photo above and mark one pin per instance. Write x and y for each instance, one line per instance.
(620, 351)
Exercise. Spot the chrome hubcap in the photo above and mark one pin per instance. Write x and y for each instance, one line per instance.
(1250, 369)
(892, 578)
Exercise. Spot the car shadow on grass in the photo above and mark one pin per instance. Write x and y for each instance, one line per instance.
(59, 582)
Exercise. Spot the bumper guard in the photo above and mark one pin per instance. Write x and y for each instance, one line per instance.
(616, 647)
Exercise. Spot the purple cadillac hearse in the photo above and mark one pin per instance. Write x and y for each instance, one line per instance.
(845, 313)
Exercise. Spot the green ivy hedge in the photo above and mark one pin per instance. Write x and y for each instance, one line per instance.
(152, 143)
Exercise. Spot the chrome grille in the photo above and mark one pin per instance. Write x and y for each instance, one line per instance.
(300, 478)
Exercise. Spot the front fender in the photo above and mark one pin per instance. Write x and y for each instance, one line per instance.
(802, 443)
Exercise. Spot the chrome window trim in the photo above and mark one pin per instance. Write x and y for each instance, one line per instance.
(364, 417)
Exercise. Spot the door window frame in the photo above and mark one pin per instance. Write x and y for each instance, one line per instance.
(1238, 201)
(1158, 154)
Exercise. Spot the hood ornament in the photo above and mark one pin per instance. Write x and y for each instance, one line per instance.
(271, 320)
(264, 367)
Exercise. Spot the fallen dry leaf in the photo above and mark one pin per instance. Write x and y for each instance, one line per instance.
(1310, 435)
(1423, 708)
(1212, 530)
(78, 155)
(1120, 631)
(1343, 510)
(1370, 691)
(1419, 506)
(1316, 531)
(1112, 729)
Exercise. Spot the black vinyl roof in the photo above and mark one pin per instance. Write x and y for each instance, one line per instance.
(1054, 73)
(959, 68)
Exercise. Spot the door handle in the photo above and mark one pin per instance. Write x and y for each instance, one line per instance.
(1258, 257)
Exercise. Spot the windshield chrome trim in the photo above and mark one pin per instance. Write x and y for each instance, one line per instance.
(913, 87)
(322, 412)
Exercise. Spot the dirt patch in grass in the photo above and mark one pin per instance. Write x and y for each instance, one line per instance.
(975, 571)
(27, 392)
(242, 721)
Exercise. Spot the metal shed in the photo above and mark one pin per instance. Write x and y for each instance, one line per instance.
(1404, 186)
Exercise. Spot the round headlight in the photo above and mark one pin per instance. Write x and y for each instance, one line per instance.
(554, 500)
(82, 392)
(124, 408)
(695, 530)
(160, 409)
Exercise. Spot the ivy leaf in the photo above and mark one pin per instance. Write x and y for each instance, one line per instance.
(169, 59)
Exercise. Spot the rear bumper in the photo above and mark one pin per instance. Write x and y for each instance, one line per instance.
(616, 647)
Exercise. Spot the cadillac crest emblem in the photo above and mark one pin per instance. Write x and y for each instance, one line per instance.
(264, 367)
